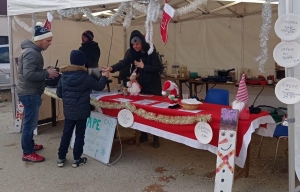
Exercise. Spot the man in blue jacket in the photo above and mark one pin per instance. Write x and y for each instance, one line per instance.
(74, 88)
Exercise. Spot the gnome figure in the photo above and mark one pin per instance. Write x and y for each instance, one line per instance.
(241, 101)
(134, 87)
(173, 96)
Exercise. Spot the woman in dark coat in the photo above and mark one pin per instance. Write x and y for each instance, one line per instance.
(148, 68)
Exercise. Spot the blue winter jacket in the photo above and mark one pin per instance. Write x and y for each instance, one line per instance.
(74, 87)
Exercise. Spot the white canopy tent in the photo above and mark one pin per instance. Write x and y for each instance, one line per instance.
(223, 7)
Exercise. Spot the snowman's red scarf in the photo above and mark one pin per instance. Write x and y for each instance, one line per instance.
(225, 161)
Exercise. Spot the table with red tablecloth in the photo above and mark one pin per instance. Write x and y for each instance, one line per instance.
(185, 133)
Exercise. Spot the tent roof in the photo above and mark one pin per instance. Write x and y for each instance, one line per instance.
(213, 8)
(20, 7)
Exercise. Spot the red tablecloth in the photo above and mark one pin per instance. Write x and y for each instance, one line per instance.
(184, 130)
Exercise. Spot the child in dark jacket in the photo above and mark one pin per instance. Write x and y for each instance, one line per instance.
(74, 88)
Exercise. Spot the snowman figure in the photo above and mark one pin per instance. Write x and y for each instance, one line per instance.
(134, 87)
(226, 150)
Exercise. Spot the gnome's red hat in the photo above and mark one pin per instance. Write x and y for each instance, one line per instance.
(242, 94)
(171, 86)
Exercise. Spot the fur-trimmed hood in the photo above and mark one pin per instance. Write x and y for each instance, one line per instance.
(69, 68)
(73, 75)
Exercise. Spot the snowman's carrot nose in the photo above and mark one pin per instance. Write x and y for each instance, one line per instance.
(223, 141)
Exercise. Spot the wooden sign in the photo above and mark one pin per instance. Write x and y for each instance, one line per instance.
(226, 150)
(99, 135)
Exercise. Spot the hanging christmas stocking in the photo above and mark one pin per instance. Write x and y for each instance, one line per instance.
(168, 13)
(48, 21)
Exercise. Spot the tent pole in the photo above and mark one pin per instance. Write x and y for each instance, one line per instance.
(12, 67)
(291, 137)
(291, 126)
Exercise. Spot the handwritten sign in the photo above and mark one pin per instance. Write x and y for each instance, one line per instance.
(125, 118)
(287, 54)
(99, 135)
(203, 132)
(163, 105)
(287, 27)
(287, 90)
(145, 102)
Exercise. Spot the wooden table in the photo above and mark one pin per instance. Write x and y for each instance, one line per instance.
(199, 82)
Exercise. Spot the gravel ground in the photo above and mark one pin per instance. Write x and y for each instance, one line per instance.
(171, 168)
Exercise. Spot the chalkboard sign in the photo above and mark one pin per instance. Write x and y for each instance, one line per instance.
(99, 135)
(287, 27)
(287, 54)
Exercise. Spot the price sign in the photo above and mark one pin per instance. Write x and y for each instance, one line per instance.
(287, 90)
(287, 54)
(125, 118)
(203, 132)
(287, 27)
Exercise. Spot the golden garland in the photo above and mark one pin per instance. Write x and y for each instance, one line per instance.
(176, 120)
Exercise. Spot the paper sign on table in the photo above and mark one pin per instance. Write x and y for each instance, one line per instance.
(190, 111)
(163, 105)
(122, 100)
(145, 102)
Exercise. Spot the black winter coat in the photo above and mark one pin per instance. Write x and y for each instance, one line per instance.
(92, 54)
(74, 87)
(149, 76)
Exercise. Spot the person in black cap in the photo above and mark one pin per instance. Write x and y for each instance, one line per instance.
(91, 49)
(148, 68)
(74, 88)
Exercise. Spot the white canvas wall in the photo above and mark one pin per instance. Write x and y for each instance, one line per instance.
(67, 36)
(3, 26)
(221, 43)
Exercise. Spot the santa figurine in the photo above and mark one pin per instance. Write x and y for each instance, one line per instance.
(173, 96)
(241, 101)
(134, 87)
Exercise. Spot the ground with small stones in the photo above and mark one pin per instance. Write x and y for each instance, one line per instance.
(173, 167)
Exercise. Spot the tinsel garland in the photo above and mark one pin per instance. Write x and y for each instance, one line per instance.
(175, 120)
(264, 35)
(22, 24)
(96, 20)
(190, 7)
(130, 14)
(152, 16)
